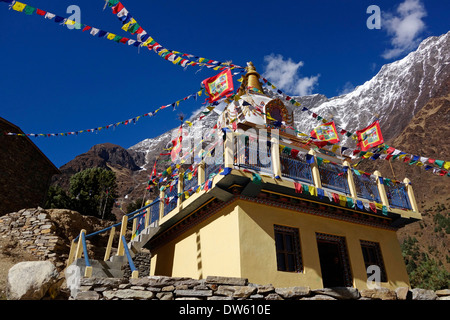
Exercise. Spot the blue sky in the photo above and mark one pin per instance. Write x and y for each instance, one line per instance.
(57, 80)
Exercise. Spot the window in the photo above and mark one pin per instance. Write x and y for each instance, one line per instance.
(372, 256)
(287, 244)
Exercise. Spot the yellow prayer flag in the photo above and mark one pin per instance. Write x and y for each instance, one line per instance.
(19, 6)
(146, 43)
(200, 93)
(176, 60)
(342, 200)
(297, 104)
(312, 190)
(70, 22)
(334, 148)
(189, 123)
(163, 51)
(127, 25)
(110, 36)
(447, 165)
(201, 59)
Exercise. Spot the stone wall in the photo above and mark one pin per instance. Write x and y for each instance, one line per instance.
(35, 231)
(25, 171)
(227, 288)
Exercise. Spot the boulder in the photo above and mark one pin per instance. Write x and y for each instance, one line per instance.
(30, 280)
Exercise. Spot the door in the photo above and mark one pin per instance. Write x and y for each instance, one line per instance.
(333, 261)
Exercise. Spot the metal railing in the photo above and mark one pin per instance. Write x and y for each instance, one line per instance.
(134, 271)
(251, 154)
(333, 176)
(366, 187)
(295, 169)
(140, 220)
(397, 195)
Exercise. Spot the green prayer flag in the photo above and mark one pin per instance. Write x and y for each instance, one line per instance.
(350, 202)
(112, 3)
(305, 188)
(439, 163)
(133, 28)
(256, 178)
(117, 38)
(29, 10)
(319, 161)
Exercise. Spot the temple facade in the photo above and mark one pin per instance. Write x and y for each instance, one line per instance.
(278, 210)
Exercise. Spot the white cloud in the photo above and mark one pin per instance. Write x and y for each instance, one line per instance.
(284, 74)
(404, 27)
(348, 87)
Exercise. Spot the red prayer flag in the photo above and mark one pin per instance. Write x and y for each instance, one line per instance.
(117, 8)
(326, 132)
(40, 12)
(86, 28)
(370, 136)
(219, 86)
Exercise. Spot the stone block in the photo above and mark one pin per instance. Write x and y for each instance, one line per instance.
(423, 294)
(227, 281)
(193, 293)
(340, 293)
(235, 291)
(379, 294)
(293, 292)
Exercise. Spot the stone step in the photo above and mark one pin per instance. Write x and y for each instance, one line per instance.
(102, 269)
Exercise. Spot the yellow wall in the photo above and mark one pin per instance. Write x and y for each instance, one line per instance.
(209, 248)
(239, 242)
(258, 245)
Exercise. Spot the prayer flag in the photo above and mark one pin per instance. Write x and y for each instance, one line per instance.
(19, 6)
(370, 136)
(219, 86)
(326, 132)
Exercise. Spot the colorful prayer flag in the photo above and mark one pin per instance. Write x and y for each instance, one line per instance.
(370, 136)
(219, 86)
(326, 132)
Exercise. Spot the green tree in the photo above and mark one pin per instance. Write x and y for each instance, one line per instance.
(423, 272)
(57, 198)
(93, 192)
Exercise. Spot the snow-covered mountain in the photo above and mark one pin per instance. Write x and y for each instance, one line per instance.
(394, 95)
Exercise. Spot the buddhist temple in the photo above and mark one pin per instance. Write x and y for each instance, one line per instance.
(267, 205)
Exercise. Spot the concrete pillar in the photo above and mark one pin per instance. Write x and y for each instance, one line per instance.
(229, 150)
(412, 198)
(276, 165)
(351, 182)
(315, 170)
(381, 189)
